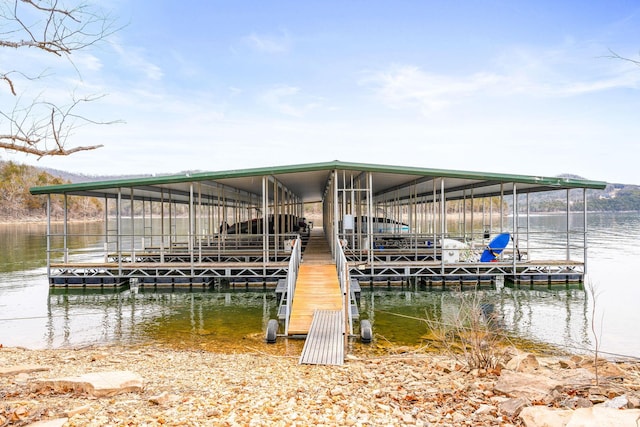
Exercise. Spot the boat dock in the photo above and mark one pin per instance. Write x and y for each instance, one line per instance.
(375, 224)
(213, 228)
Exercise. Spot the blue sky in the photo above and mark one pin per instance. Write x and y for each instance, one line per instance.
(495, 86)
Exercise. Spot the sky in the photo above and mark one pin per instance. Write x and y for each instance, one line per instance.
(522, 87)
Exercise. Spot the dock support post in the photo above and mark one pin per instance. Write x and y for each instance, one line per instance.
(49, 235)
(66, 228)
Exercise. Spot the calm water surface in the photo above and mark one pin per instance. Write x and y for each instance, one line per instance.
(34, 317)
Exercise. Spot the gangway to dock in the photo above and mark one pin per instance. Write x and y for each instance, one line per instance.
(317, 305)
(325, 342)
(317, 286)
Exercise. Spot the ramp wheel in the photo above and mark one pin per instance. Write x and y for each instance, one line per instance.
(272, 331)
(366, 333)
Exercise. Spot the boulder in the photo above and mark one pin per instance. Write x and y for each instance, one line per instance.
(78, 410)
(574, 378)
(603, 417)
(57, 422)
(575, 402)
(484, 409)
(567, 364)
(542, 416)
(525, 362)
(597, 416)
(96, 384)
(536, 388)
(512, 407)
(634, 400)
(21, 369)
(618, 402)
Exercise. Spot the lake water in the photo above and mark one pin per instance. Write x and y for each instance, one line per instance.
(32, 316)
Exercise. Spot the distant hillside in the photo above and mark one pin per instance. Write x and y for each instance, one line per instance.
(615, 197)
(17, 204)
(77, 178)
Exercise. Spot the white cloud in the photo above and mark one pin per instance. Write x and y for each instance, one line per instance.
(269, 43)
(84, 61)
(567, 70)
(288, 100)
(408, 85)
(549, 74)
(136, 62)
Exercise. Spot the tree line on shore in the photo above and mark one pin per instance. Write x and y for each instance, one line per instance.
(16, 203)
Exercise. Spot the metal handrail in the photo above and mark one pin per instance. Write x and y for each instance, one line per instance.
(344, 279)
(292, 277)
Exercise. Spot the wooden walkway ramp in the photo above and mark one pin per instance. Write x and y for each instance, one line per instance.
(317, 287)
(317, 305)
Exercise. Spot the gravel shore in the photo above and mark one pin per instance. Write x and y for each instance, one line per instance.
(202, 388)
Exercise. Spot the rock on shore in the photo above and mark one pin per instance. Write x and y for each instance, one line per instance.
(157, 386)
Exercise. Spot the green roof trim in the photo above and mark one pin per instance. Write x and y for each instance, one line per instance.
(310, 167)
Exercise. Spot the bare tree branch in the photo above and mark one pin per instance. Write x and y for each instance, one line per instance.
(43, 128)
(6, 78)
(614, 55)
(29, 149)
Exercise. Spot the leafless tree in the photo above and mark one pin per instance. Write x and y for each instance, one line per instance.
(37, 125)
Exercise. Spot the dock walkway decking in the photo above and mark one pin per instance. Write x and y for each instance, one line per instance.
(316, 310)
(317, 287)
(325, 342)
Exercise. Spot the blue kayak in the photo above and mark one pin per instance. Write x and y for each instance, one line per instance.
(495, 247)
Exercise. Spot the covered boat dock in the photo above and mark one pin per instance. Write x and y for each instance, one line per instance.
(382, 225)
(392, 223)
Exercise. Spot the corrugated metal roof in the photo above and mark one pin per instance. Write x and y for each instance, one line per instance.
(308, 181)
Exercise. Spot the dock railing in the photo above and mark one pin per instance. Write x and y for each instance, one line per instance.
(343, 277)
(292, 276)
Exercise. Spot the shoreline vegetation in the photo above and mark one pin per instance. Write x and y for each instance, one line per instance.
(161, 386)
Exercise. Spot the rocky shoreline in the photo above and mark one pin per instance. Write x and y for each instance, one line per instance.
(158, 386)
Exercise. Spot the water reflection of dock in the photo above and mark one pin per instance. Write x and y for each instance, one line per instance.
(559, 317)
(95, 317)
(80, 317)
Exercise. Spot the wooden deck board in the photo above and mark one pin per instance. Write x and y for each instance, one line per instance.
(325, 342)
(317, 288)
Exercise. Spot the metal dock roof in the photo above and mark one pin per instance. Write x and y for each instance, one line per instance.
(309, 182)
